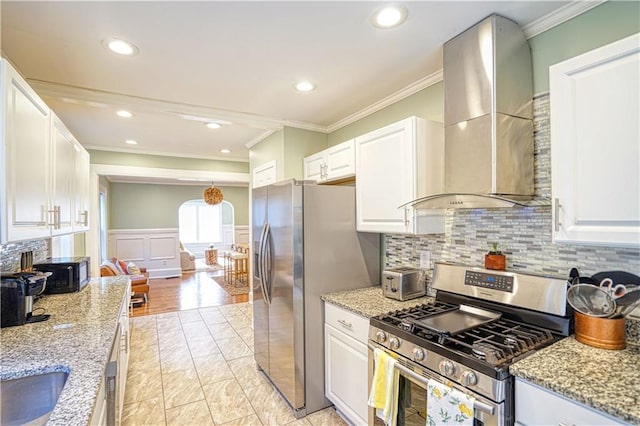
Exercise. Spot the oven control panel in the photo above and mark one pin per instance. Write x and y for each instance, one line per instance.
(492, 281)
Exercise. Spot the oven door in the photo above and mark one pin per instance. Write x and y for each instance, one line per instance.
(486, 412)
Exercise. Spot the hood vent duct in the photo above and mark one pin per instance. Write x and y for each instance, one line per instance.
(488, 118)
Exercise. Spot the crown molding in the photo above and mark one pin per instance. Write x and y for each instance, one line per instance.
(406, 91)
(260, 138)
(559, 16)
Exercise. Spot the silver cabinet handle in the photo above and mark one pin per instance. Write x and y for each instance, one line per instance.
(557, 215)
(85, 217)
(346, 324)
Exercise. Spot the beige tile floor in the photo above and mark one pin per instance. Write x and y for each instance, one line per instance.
(196, 368)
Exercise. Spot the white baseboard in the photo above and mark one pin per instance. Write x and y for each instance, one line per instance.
(164, 273)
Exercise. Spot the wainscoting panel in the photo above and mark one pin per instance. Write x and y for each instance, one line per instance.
(156, 249)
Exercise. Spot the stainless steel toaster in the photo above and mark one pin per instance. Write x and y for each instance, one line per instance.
(402, 283)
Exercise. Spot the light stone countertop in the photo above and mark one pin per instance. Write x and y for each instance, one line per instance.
(76, 339)
(607, 380)
(369, 301)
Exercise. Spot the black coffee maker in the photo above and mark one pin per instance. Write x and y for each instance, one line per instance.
(17, 291)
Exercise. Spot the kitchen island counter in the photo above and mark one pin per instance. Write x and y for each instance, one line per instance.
(76, 339)
(606, 380)
(369, 301)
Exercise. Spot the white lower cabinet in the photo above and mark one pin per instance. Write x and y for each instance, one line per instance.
(345, 346)
(539, 406)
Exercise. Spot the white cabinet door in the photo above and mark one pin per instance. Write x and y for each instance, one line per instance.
(538, 406)
(340, 160)
(63, 148)
(595, 146)
(82, 190)
(265, 174)
(314, 167)
(346, 374)
(25, 159)
(395, 165)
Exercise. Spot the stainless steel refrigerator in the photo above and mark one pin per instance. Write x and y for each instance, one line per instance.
(305, 244)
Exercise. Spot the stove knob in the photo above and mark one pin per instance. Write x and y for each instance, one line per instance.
(394, 343)
(447, 368)
(418, 354)
(469, 378)
(381, 337)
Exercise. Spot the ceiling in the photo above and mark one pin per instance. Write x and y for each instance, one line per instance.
(234, 62)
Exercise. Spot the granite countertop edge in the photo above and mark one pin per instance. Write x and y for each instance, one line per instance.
(604, 380)
(76, 339)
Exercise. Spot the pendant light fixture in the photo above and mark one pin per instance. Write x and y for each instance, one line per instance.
(213, 195)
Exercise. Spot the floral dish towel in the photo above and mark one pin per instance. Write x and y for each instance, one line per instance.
(448, 406)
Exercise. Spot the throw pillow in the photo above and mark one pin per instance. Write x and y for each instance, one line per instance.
(133, 269)
(120, 265)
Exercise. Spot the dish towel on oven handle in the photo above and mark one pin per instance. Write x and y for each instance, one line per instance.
(448, 406)
(384, 387)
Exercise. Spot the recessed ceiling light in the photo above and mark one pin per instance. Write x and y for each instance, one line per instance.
(131, 142)
(304, 86)
(124, 114)
(389, 17)
(225, 151)
(212, 125)
(121, 47)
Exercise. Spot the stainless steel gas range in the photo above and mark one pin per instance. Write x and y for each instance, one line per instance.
(481, 322)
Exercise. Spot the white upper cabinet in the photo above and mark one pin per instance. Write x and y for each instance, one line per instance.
(314, 166)
(63, 176)
(395, 165)
(46, 171)
(264, 175)
(82, 189)
(337, 162)
(25, 159)
(595, 146)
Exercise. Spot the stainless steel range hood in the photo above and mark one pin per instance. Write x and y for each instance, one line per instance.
(488, 89)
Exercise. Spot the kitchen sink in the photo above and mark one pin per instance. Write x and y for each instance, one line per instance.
(30, 400)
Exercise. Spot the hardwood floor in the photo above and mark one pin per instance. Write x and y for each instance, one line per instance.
(191, 291)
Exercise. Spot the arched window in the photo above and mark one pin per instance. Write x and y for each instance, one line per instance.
(201, 225)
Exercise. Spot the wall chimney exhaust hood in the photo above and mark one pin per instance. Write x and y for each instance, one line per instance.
(488, 119)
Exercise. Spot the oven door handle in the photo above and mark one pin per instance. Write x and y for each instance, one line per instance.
(418, 378)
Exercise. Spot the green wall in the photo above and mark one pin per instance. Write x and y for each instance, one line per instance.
(141, 206)
(601, 25)
(269, 149)
(166, 162)
(299, 143)
(287, 147)
(427, 103)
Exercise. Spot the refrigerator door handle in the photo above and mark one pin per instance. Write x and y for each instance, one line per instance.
(259, 263)
(268, 264)
(264, 279)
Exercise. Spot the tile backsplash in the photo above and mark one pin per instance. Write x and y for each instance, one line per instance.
(10, 253)
(523, 233)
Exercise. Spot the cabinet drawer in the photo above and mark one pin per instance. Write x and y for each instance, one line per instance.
(351, 324)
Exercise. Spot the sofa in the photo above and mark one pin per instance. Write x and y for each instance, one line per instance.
(139, 276)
